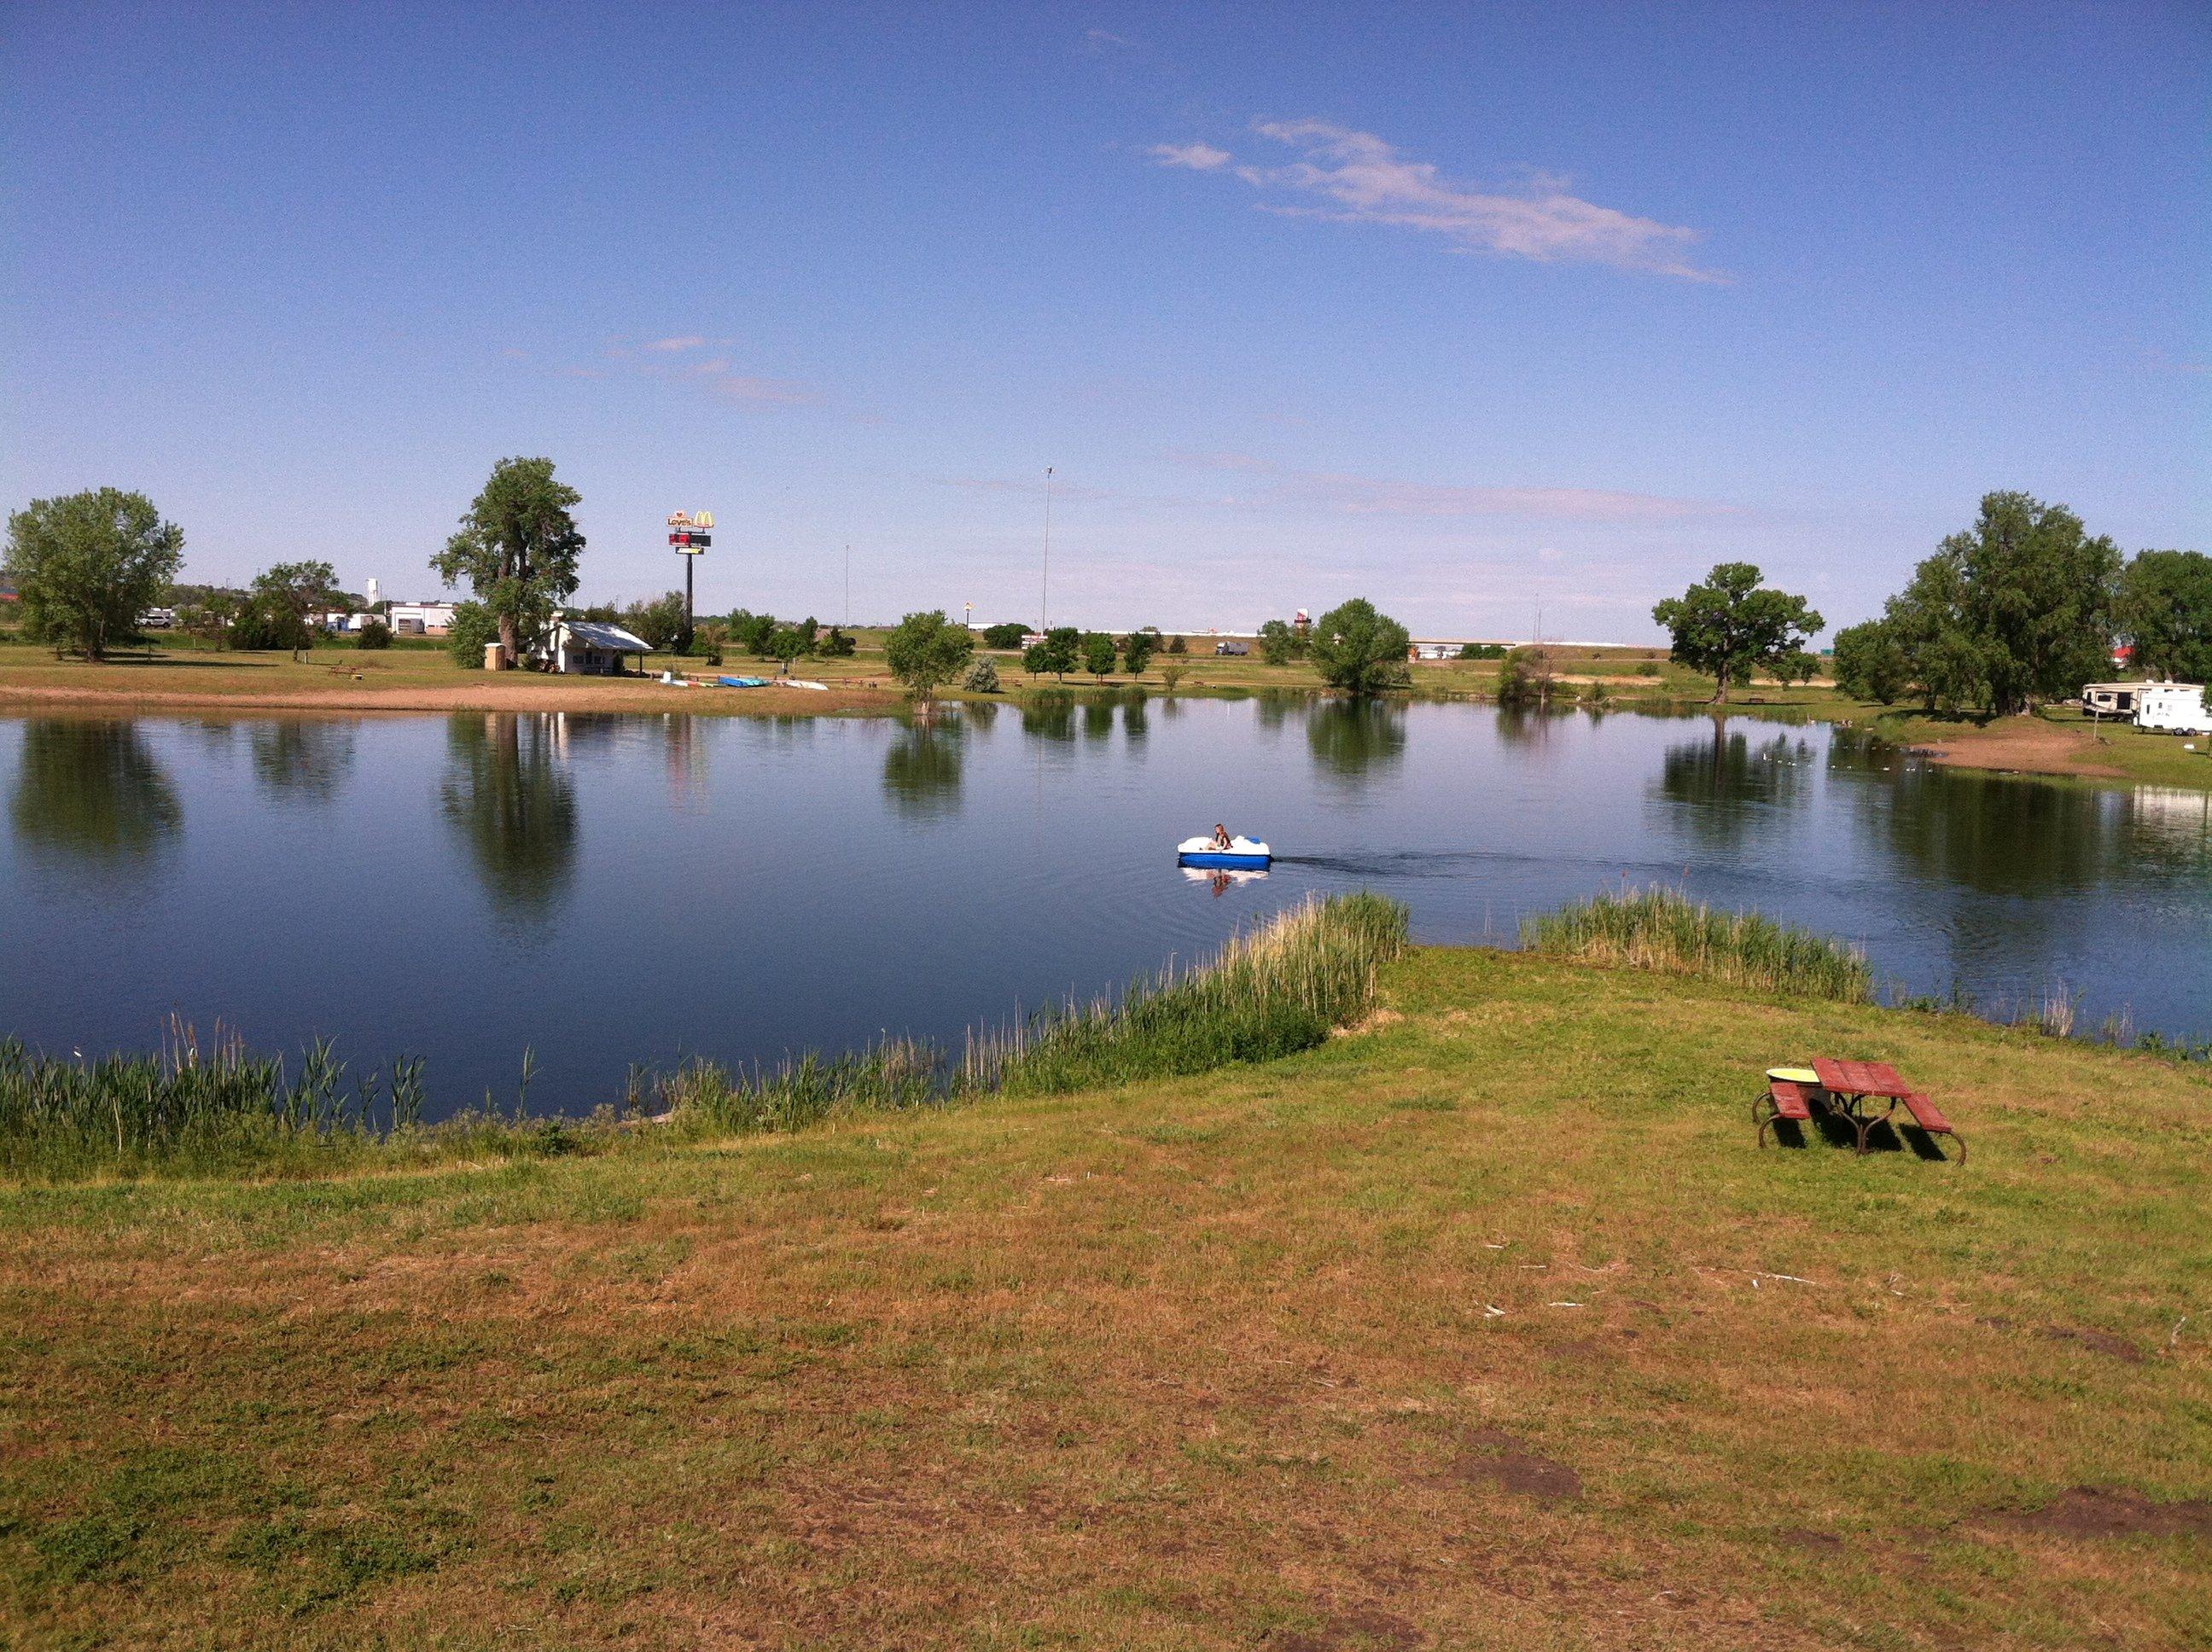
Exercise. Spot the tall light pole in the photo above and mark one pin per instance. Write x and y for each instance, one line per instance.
(1044, 591)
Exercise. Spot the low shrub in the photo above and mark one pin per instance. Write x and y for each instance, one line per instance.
(982, 678)
(374, 633)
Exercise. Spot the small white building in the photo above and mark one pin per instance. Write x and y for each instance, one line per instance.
(592, 647)
(2172, 708)
(420, 619)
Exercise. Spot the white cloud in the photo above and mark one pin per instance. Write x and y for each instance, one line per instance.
(1353, 177)
(1197, 157)
(687, 342)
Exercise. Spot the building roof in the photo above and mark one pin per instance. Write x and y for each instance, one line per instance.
(596, 633)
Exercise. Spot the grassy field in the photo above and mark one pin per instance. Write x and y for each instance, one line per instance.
(1486, 1326)
(346, 675)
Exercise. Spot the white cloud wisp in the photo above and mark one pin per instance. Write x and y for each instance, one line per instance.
(1353, 177)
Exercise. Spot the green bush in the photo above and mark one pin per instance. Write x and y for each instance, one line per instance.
(374, 633)
(474, 626)
(983, 678)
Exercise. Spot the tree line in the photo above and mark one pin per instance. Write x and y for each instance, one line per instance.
(2026, 606)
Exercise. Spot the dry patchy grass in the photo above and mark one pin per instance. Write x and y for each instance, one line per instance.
(1280, 1357)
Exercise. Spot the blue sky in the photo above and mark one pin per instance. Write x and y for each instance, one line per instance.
(1462, 309)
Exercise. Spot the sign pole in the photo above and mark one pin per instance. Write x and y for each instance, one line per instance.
(688, 537)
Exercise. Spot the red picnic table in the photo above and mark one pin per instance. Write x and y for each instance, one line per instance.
(1853, 1085)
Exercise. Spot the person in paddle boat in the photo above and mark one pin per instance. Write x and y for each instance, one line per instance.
(1220, 835)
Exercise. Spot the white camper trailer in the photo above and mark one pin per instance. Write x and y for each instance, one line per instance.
(2172, 708)
(2110, 699)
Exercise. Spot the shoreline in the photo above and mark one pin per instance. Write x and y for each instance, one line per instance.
(641, 696)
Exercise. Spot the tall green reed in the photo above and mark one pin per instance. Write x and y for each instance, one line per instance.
(1662, 929)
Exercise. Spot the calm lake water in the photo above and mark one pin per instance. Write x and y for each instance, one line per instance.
(610, 889)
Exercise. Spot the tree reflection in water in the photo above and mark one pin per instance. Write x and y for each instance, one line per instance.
(921, 769)
(1050, 715)
(1729, 783)
(508, 796)
(1352, 739)
(305, 758)
(90, 790)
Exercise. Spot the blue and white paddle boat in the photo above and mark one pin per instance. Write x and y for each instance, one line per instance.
(1243, 854)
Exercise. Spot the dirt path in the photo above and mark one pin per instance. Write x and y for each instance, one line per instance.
(2023, 745)
(533, 694)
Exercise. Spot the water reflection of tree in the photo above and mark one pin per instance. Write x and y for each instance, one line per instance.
(1352, 739)
(508, 796)
(1728, 782)
(1526, 725)
(301, 757)
(921, 770)
(93, 790)
(1050, 715)
(1996, 834)
(1098, 717)
(1136, 716)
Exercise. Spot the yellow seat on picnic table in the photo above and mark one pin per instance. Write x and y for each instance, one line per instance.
(1796, 1076)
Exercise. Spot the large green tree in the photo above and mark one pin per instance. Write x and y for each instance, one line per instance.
(659, 624)
(2165, 611)
(1058, 653)
(2019, 608)
(1731, 626)
(2036, 598)
(87, 565)
(1361, 650)
(1278, 644)
(290, 594)
(517, 547)
(926, 650)
(1870, 665)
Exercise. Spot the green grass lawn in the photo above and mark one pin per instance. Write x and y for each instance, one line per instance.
(1484, 1325)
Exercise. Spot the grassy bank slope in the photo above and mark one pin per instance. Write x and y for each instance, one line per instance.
(1282, 1355)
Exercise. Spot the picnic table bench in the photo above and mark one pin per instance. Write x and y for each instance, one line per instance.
(1848, 1090)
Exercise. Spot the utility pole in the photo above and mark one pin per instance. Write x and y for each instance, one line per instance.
(1044, 593)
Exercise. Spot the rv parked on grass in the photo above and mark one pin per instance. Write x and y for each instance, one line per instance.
(2172, 708)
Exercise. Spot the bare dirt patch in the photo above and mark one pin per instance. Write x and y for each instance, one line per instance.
(2025, 745)
(1497, 1459)
(1361, 1627)
(2087, 1511)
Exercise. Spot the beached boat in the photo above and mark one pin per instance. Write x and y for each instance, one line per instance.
(1243, 853)
(742, 681)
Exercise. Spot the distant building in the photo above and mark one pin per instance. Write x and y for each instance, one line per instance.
(591, 647)
(416, 619)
